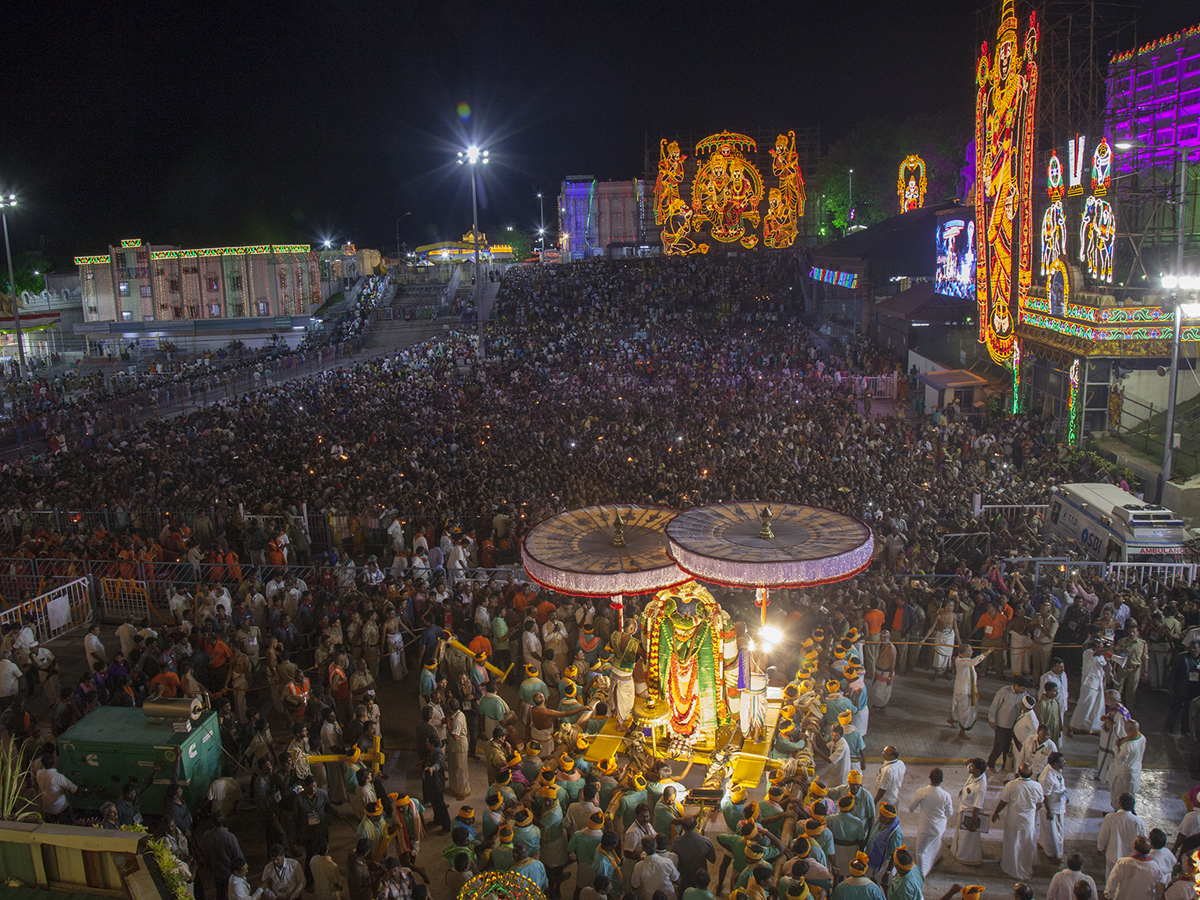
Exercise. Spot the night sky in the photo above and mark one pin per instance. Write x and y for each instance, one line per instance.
(217, 124)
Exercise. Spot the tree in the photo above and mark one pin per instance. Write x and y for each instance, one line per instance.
(874, 151)
(522, 244)
(24, 266)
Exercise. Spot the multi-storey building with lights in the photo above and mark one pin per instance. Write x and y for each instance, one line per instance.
(139, 282)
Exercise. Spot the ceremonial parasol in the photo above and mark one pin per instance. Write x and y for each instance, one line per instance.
(742, 544)
(603, 551)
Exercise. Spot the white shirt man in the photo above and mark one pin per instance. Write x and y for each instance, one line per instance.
(126, 632)
(656, 872)
(395, 533)
(10, 677)
(1021, 799)
(53, 788)
(282, 879)
(23, 644)
(180, 600)
(839, 763)
(889, 780)
(532, 648)
(1062, 885)
(1118, 831)
(1165, 860)
(936, 806)
(1127, 763)
(93, 648)
(1134, 877)
(1059, 678)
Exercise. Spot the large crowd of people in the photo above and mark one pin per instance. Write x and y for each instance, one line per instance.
(652, 381)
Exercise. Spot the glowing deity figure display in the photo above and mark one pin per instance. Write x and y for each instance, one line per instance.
(688, 638)
(1097, 237)
(785, 204)
(1004, 114)
(727, 189)
(1054, 222)
(912, 184)
(670, 176)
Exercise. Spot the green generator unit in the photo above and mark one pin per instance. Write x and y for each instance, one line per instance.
(153, 746)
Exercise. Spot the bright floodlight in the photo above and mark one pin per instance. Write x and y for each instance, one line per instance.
(472, 154)
(1190, 310)
(1170, 282)
(1189, 283)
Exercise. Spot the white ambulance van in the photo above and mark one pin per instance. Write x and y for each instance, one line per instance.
(1109, 524)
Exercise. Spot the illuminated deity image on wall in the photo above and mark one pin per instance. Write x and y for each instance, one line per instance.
(727, 189)
(1101, 168)
(785, 204)
(1058, 287)
(1054, 222)
(955, 276)
(1004, 123)
(670, 176)
(911, 184)
(1097, 238)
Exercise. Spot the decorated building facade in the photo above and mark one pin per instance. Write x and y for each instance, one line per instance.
(596, 215)
(142, 282)
(1117, 211)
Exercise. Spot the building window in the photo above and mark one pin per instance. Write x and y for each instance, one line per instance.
(123, 288)
(173, 285)
(212, 283)
(214, 310)
(262, 308)
(233, 282)
(144, 291)
(126, 314)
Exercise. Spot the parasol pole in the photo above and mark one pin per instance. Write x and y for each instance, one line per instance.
(618, 602)
(763, 595)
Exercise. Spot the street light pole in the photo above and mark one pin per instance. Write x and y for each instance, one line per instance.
(6, 204)
(1191, 310)
(542, 229)
(850, 203)
(473, 156)
(400, 261)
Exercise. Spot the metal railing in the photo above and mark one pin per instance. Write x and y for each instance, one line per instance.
(1119, 574)
(882, 387)
(51, 614)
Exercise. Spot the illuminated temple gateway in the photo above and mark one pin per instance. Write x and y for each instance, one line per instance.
(1116, 211)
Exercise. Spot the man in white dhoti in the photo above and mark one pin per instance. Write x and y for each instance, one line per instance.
(966, 690)
(1091, 692)
(1112, 729)
(1055, 789)
(1021, 797)
(936, 807)
(839, 758)
(1134, 877)
(1118, 831)
(1026, 727)
(1127, 763)
(967, 843)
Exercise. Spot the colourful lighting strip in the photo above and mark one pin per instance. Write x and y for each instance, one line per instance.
(1103, 315)
(829, 276)
(129, 245)
(1159, 42)
(1073, 404)
(93, 260)
(254, 249)
(1126, 333)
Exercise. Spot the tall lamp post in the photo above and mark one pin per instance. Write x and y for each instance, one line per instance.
(850, 202)
(7, 203)
(1181, 283)
(542, 228)
(399, 261)
(473, 156)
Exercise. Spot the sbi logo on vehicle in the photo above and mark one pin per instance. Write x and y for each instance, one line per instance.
(1090, 541)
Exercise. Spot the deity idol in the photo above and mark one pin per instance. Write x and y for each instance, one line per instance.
(688, 639)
